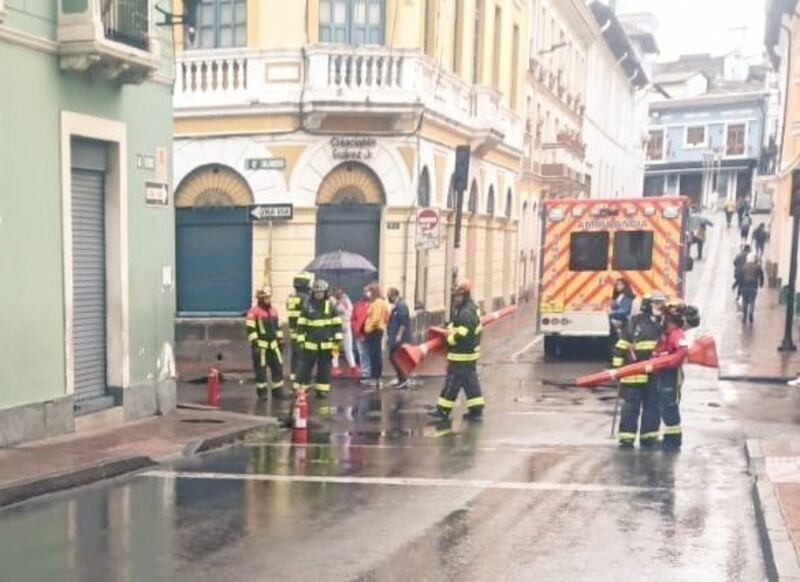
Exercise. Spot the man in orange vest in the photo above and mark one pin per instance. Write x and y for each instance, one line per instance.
(266, 342)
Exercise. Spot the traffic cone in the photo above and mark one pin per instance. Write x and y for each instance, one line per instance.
(704, 352)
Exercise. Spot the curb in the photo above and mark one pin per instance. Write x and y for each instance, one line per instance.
(780, 556)
(19, 492)
(755, 379)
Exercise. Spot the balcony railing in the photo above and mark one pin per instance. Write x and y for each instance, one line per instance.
(126, 22)
(331, 79)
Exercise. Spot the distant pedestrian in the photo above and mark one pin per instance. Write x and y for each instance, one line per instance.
(738, 263)
(357, 322)
(760, 238)
(399, 332)
(751, 279)
(742, 208)
(699, 236)
(746, 223)
(377, 316)
(730, 208)
(344, 307)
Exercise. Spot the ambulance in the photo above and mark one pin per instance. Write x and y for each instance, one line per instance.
(588, 244)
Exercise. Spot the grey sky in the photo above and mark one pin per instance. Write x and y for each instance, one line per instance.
(697, 26)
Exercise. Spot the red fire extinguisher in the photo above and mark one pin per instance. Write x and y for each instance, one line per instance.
(300, 412)
(213, 387)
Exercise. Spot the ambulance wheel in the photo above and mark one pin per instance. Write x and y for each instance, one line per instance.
(553, 347)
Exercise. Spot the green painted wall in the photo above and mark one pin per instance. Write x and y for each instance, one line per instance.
(35, 91)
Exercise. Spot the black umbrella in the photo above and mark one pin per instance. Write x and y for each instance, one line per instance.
(341, 263)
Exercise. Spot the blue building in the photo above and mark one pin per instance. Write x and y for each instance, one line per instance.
(707, 129)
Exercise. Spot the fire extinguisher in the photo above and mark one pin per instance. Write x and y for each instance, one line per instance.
(213, 387)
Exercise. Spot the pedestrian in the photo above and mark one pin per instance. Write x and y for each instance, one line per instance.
(639, 395)
(669, 380)
(730, 208)
(266, 343)
(760, 238)
(741, 208)
(377, 316)
(621, 304)
(738, 263)
(398, 332)
(699, 236)
(319, 331)
(294, 305)
(357, 322)
(344, 307)
(745, 228)
(463, 349)
(752, 277)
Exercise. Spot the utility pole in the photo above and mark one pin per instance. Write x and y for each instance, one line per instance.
(460, 178)
(788, 344)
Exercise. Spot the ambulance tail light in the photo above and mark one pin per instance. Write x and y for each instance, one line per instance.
(546, 321)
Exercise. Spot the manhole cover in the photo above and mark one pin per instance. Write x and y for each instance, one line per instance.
(203, 421)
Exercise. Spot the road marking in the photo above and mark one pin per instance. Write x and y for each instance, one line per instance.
(535, 341)
(338, 445)
(406, 482)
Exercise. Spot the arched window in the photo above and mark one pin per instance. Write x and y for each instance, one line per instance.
(472, 204)
(424, 189)
(509, 203)
(490, 202)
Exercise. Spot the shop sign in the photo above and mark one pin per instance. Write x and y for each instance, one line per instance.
(156, 194)
(428, 227)
(353, 148)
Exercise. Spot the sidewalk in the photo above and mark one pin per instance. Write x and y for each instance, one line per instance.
(73, 460)
(775, 465)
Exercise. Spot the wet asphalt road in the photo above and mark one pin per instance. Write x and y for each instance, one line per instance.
(537, 491)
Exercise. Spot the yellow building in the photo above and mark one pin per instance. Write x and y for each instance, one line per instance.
(781, 38)
(350, 111)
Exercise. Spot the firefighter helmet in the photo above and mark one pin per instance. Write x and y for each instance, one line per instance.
(320, 286)
(303, 281)
(264, 293)
(463, 287)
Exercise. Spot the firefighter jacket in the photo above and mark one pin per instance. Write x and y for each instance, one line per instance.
(319, 327)
(464, 335)
(636, 343)
(263, 327)
(294, 305)
(672, 341)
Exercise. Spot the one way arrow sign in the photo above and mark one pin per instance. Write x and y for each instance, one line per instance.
(272, 212)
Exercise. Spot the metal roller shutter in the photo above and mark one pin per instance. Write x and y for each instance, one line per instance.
(88, 286)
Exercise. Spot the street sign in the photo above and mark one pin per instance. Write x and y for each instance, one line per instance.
(265, 163)
(272, 212)
(428, 227)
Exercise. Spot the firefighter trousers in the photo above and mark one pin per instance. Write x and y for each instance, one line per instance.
(294, 359)
(669, 398)
(268, 358)
(461, 376)
(323, 360)
(639, 400)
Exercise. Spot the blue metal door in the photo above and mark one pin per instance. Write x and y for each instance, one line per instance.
(354, 228)
(214, 248)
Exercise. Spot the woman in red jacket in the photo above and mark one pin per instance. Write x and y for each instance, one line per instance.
(669, 381)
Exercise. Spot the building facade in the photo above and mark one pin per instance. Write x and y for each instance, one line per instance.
(86, 221)
(706, 134)
(350, 112)
(615, 124)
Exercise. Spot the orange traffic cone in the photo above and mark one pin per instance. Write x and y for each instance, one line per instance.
(704, 352)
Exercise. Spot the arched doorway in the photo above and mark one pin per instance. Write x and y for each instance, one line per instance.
(350, 199)
(214, 242)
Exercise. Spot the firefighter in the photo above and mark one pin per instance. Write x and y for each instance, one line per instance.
(463, 349)
(294, 304)
(319, 332)
(669, 381)
(640, 397)
(266, 340)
